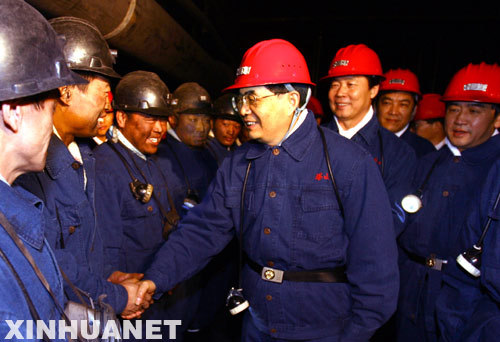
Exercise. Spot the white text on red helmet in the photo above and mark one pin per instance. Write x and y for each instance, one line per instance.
(243, 70)
(397, 81)
(341, 62)
(475, 86)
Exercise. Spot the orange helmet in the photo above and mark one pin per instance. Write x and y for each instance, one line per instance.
(400, 80)
(475, 83)
(274, 61)
(430, 107)
(355, 60)
(315, 106)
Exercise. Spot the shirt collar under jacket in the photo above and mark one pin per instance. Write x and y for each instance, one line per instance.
(297, 144)
(173, 134)
(4, 180)
(440, 144)
(349, 133)
(401, 132)
(24, 211)
(129, 145)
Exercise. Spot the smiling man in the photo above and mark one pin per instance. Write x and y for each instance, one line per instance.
(332, 241)
(354, 79)
(67, 184)
(449, 180)
(134, 197)
(397, 105)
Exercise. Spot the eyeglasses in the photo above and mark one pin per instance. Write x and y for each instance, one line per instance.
(249, 99)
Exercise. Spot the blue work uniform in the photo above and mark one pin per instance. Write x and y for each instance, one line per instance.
(396, 160)
(25, 213)
(468, 307)
(73, 232)
(420, 145)
(132, 230)
(219, 151)
(448, 195)
(195, 166)
(293, 221)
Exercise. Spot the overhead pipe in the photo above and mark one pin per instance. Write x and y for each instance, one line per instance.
(144, 30)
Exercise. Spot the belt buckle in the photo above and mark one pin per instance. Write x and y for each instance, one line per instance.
(272, 275)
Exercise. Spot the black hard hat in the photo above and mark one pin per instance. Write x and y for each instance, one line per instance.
(224, 109)
(31, 55)
(144, 92)
(191, 98)
(85, 48)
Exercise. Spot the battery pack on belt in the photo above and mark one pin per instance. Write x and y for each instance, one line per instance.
(331, 275)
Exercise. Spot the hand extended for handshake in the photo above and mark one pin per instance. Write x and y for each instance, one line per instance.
(140, 293)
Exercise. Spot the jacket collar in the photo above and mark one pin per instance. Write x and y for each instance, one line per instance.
(59, 157)
(296, 144)
(489, 149)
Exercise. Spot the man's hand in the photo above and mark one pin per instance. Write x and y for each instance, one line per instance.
(117, 276)
(145, 292)
(139, 297)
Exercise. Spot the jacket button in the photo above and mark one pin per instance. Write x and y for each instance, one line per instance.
(270, 263)
(446, 193)
(71, 229)
(456, 159)
(75, 165)
(269, 298)
(273, 331)
(276, 151)
(272, 194)
(150, 208)
(267, 231)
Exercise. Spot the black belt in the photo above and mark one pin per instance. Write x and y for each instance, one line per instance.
(331, 275)
(431, 261)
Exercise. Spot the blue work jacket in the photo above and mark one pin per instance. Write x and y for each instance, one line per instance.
(292, 221)
(420, 145)
(73, 232)
(25, 213)
(219, 151)
(464, 301)
(195, 166)
(448, 196)
(396, 160)
(132, 230)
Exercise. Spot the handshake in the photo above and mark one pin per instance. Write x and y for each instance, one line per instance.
(140, 292)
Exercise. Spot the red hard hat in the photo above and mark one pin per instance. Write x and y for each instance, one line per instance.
(355, 60)
(475, 83)
(274, 61)
(400, 80)
(315, 106)
(430, 107)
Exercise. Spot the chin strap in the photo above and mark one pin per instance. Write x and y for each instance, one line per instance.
(297, 111)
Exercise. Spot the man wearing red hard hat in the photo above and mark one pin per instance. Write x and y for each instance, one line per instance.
(429, 119)
(354, 77)
(314, 224)
(446, 189)
(396, 106)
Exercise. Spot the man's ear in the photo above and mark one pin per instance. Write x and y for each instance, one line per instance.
(293, 100)
(173, 121)
(496, 123)
(374, 91)
(12, 115)
(66, 94)
(121, 118)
